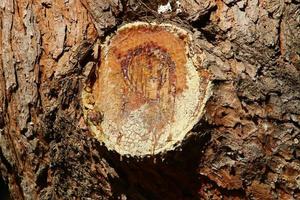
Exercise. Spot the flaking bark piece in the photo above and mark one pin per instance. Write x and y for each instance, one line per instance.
(149, 92)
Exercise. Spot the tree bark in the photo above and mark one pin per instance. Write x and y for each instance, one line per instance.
(245, 147)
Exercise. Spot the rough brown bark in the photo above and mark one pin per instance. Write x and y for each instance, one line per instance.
(246, 147)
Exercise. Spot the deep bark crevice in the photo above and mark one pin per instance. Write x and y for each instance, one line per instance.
(246, 146)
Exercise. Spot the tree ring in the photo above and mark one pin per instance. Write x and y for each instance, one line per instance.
(149, 92)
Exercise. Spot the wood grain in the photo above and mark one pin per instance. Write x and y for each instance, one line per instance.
(147, 89)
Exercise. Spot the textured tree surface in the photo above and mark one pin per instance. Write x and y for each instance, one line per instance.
(149, 91)
(246, 146)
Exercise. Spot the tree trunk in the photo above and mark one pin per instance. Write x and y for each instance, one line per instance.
(246, 146)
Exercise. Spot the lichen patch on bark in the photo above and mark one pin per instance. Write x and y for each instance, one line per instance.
(148, 93)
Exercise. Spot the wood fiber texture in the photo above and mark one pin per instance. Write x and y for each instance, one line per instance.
(149, 93)
(246, 145)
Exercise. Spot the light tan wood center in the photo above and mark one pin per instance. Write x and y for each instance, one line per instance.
(147, 95)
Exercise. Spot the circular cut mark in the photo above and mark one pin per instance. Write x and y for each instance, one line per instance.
(148, 93)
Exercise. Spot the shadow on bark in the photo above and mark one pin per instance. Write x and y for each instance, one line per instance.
(173, 175)
(4, 191)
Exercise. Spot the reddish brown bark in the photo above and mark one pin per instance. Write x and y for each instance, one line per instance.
(245, 147)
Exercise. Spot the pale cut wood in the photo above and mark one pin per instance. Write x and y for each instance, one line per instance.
(149, 91)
